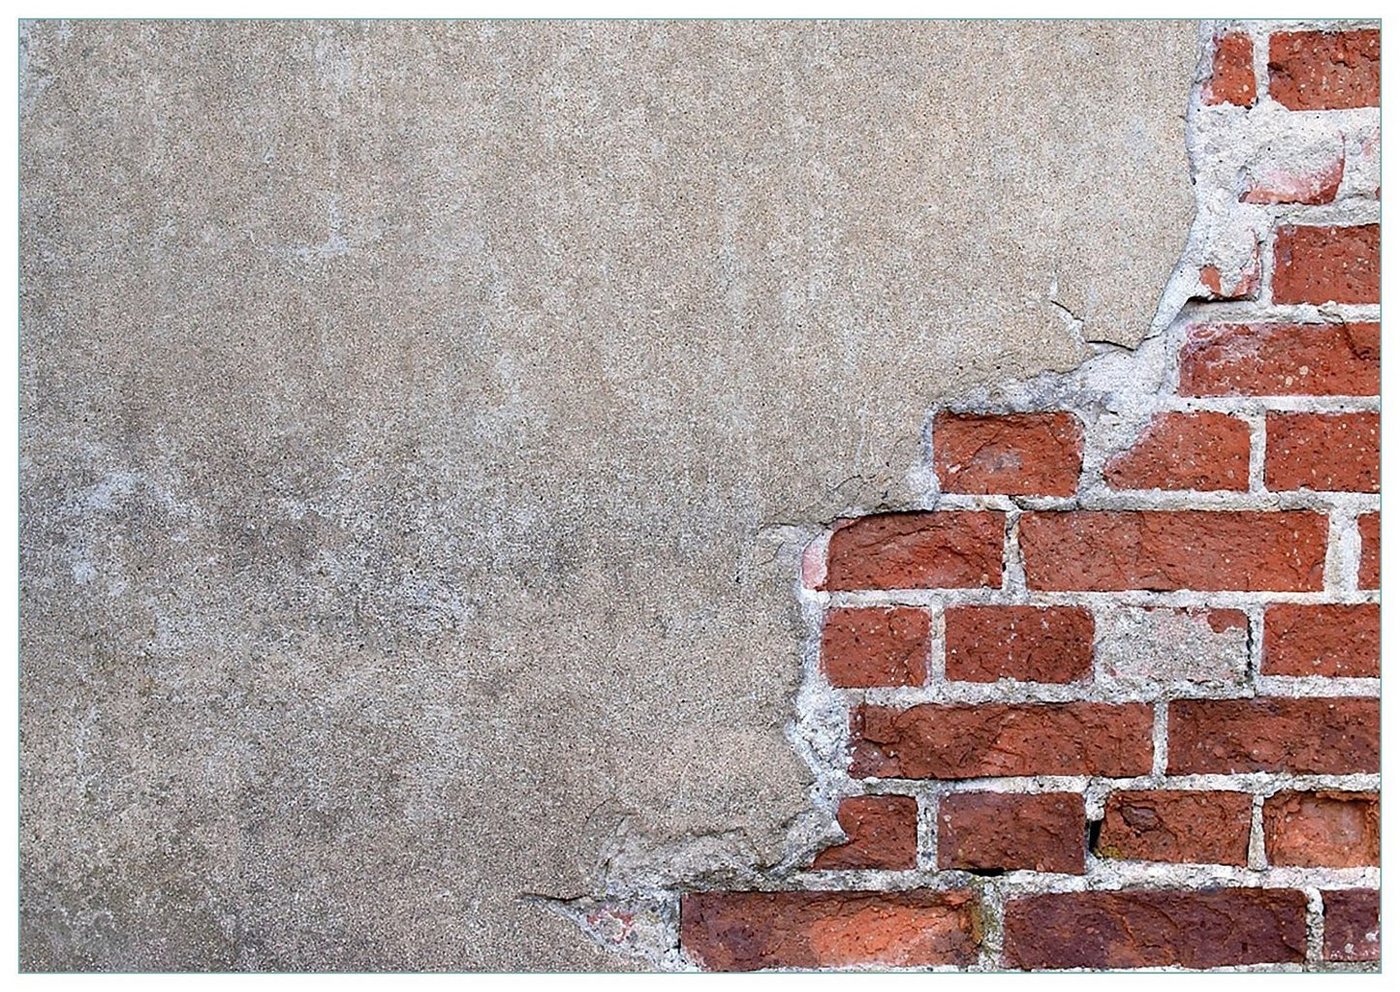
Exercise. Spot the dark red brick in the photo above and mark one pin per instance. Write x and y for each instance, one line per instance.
(1325, 70)
(948, 549)
(1351, 929)
(1327, 264)
(1201, 451)
(1281, 360)
(876, 646)
(1188, 549)
(749, 931)
(1323, 829)
(973, 741)
(1208, 928)
(1003, 831)
(1027, 643)
(1305, 736)
(1369, 527)
(883, 832)
(1323, 451)
(1021, 454)
(1182, 827)
(1322, 640)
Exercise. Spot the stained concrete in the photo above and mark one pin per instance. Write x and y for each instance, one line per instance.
(420, 421)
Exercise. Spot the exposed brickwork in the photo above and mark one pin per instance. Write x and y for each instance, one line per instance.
(1201, 451)
(883, 832)
(1325, 70)
(1323, 829)
(1208, 929)
(1332, 451)
(1184, 826)
(999, 831)
(876, 646)
(1322, 640)
(1122, 651)
(1028, 454)
(1027, 643)
(1353, 925)
(1328, 264)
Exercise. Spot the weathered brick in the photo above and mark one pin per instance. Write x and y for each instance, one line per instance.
(1202, 451)
(1304, 736)
(1208, 928)
(1322, 640)
(883, 832)
(946, 549)
(1325, 70)
(1003, 831)
(1369, 527)
(1183, 827)
(1323, 451)
(1027, 643)
(964, 741)
(1281, 360)
(1190, 549)
(1312, 185)
(1242, 285)
(1232, 71)
(876, 646)
(1022, 454)
(1170, 644)
(1351, 929)
(1323, 829)
(1327, 264)
(749, 931)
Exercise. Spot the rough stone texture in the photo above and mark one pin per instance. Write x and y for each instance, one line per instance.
(1323, 829)
(999, 831)
(1282, 360)
(1202, 929)
(955, 742)
(1323, 451)
(949, 549)
(1322, 640)
(1202, 451)
(1325, 70)
(1232, 71)
(1307, 736)
(1369, 571)
(1168, 644)
(883, 832)
(749, 931)
(411, 414)
(1328, 264)
(1351, 925)
(1206, 550)
(876, 646)
(1027, 643)
(1184, 827)
(1026, 454)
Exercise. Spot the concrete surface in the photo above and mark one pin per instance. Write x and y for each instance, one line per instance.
(420, 422)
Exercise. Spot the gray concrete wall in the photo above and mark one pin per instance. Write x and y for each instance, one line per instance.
(419, 424)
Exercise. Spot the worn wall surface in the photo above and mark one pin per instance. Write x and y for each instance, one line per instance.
(420, 422)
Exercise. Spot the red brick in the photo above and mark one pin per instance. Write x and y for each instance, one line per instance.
(948, 549)
(1328, 264)
(967, 741)
(1369, 526)
(1232, 71)
(1322, 640)
(1208, 928)
(749, 931)
(876, 646)
(1284, 184)
(1244, 285)
(883, 832)
(1189, 549)
(1183, 827)
(1324, 70)
(1281, 360)
(1351, 928)
(1021, 454)
(1323, 451)
(1323, 829)
(1003, 831)
(1203, 451)
(1303, 736)
(1028, 643)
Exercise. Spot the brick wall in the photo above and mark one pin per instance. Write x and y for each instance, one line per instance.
(1107, 695)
